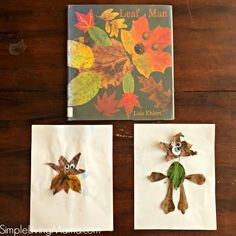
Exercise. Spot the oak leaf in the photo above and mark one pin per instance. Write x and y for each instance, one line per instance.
(111, 63)
(107, 105)
(157, 94)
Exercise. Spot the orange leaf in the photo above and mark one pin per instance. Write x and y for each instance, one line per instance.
(85, 21)
(107, 104)
(129, 101)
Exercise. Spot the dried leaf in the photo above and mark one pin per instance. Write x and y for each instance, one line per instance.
(99, 36)
(129, 101)
(107, 105)
(111, 63)
(85, 21)
(79, 55)
(176, 174)
(66, 178)
(183, 203)
(83, 88)
(155, 176)
(167, 204)
(177, 148)
(54, 167)
(109, 14)
(196, 178)
(157, 94)
(74, 183)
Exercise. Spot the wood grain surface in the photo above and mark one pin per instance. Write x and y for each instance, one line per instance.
(33, 77)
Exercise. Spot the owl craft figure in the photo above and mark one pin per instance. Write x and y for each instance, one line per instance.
(66, 178)
(176, 174)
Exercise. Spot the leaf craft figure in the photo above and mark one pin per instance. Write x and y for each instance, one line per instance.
(146, 46)
(176, 177)
(66, 178)
(177, 148)
(176, 174)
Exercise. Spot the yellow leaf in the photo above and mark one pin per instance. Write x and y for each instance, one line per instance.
(142, 64)
(114, 31)
(83, 88)
(79, 55)
(74, 183)
(109, 14)
(119, 23)
(107, 27)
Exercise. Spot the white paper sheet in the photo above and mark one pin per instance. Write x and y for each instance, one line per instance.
(201, 214)
(90, 210)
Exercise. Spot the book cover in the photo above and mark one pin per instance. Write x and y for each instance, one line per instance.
(120, 62)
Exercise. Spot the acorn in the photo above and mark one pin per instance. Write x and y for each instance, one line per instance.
(146, 35)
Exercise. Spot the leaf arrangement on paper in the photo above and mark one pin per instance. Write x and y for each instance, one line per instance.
(66, 178)
(176, 174)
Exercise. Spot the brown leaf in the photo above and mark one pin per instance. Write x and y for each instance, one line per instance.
(177, 138)
(62, 161)
(155, 176)
(177, 148)
(54, 167)
(157, 94)
(75, 159)
(57, 183)
(167, 204)
(74, 183)
(196, 178)
(183, 203)
(111, 63)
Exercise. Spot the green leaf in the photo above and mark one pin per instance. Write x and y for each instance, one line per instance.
(99, 36)
(83, 88)
(176, 174)
(128, 83)
(79, 55)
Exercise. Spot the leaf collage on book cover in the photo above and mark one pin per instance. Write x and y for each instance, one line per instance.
(146, 46)
(111, 63)
(157, 94)
(112, 25)
(107, 105)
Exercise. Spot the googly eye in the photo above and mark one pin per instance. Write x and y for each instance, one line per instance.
(178, 144)
(72, 166)
(67, 166)
(176, 150)
(172, 143)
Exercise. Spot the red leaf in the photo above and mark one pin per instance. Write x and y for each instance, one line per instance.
(85, 21)
(129, 101)
(107, 104)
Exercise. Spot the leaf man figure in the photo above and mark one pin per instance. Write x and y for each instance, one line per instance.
(176, 174)
(66, 178)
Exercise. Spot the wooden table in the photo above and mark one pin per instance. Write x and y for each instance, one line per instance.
(33, 91)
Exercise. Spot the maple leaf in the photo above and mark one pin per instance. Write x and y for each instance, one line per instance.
(85, 21)
(157, 94)
(107, 104)
(129, 101)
